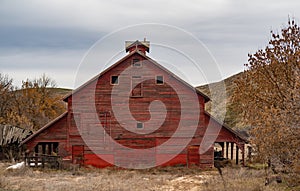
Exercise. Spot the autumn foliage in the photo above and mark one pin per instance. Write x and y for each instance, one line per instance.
(268, 95)
(32, 105)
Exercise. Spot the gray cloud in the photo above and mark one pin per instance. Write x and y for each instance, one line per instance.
(46, 38)
(52, 36)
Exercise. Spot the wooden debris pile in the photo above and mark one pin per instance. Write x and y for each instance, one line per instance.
(12, 135)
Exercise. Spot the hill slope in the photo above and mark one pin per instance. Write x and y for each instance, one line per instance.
(224, 99)
(61, 91)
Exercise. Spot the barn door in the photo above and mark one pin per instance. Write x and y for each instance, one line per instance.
(78, 154)
(193, 157)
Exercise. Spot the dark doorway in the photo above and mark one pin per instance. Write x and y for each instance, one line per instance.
(46, 148)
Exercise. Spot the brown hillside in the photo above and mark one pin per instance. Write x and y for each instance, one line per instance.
(62, 92)
(224, 100)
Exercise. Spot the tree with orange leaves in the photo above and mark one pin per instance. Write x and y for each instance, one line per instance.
(268, 95)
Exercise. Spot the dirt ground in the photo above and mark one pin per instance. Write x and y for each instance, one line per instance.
(169, 178)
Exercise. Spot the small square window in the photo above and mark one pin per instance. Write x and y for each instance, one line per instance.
(114, 80)
(136, 62)
(159, 80)
(139, 125)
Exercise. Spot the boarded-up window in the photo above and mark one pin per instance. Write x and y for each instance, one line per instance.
(136, 62)
(137, 86)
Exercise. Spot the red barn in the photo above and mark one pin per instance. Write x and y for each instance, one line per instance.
(135, 114)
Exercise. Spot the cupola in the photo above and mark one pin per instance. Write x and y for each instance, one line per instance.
(141, 46)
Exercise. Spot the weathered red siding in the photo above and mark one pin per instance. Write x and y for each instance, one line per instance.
(65, 130)
(57, 132)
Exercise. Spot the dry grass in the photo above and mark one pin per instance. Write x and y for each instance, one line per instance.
(241, 179)
(171, 178)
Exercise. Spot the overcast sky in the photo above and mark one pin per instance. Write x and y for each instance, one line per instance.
(53, 36)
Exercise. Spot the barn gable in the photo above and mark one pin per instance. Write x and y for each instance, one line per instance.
(143, 56)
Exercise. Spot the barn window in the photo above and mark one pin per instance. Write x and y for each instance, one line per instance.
(136, 86)
(114, 80)
(159, 80)
(136, 62)
(139, 125)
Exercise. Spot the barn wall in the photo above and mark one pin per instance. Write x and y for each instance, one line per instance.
(139, 108)
(207, 159)
(97, 160)
(178, 160)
